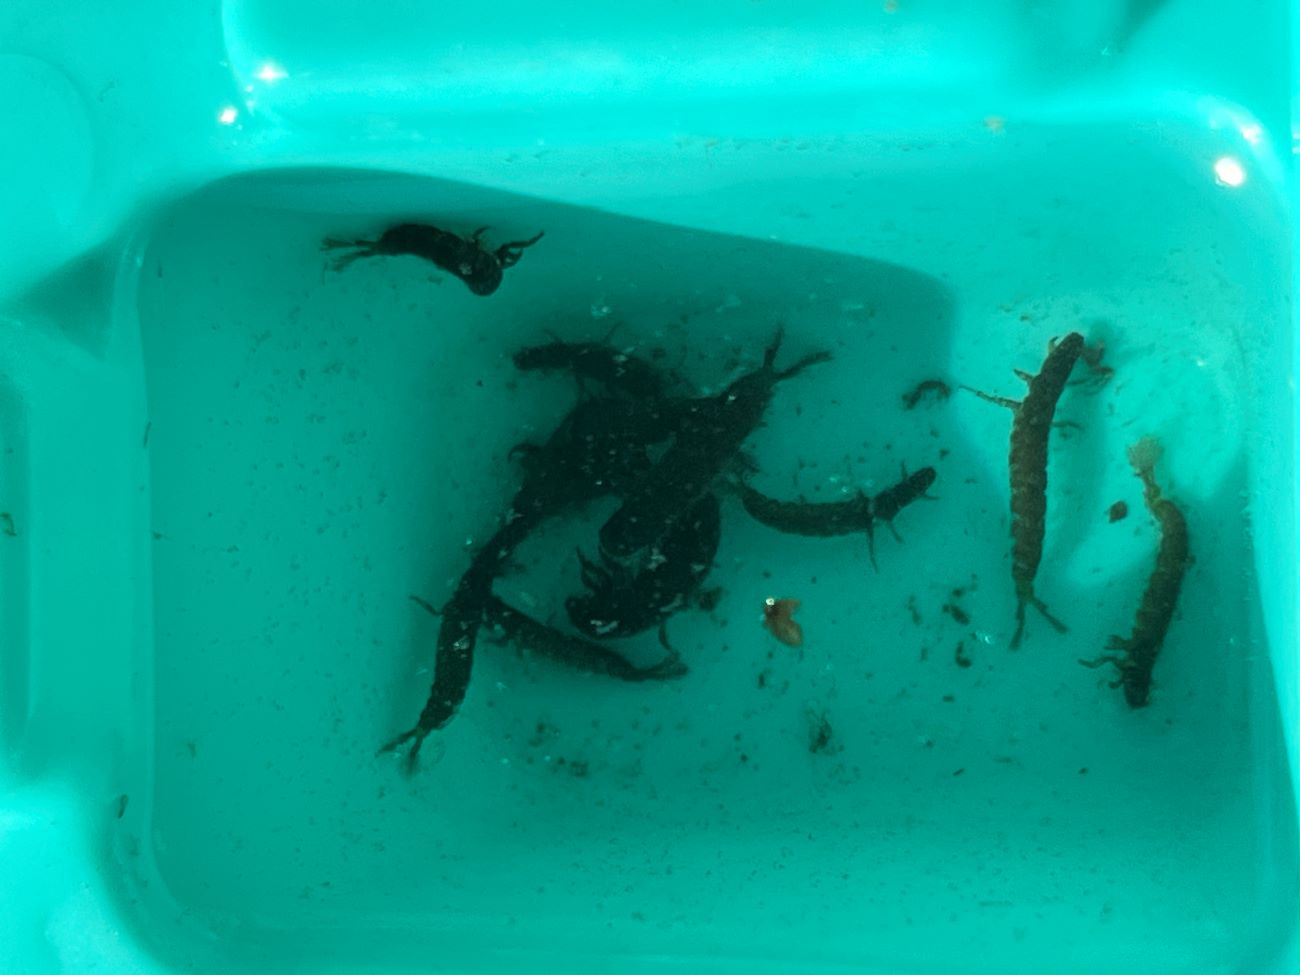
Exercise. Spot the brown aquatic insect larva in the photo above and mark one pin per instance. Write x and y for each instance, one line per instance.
(778, 617)
(1030, 427)
(1117, 511)
(1156, 612)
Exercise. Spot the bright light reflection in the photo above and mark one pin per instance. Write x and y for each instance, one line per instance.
(1252, 133)
(1228, 171)
(228, 115)
(271, 73)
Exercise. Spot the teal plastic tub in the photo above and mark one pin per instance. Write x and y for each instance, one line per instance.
(228, 464)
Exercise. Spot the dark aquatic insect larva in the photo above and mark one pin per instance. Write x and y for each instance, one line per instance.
(886, 505)
(528, 634)
(598, 362)
(462, 617)
(622, 602)
(817, 519)
(1156, 611)
(600, 447)
(709, 436)
(465, 257)
(1029, 433)
(828, 518)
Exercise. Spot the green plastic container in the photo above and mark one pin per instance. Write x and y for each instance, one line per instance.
(227, 465)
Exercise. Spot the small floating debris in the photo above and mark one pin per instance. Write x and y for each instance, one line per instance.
(957, 613)
(821, 736)
(928, 390)
(778, 618)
